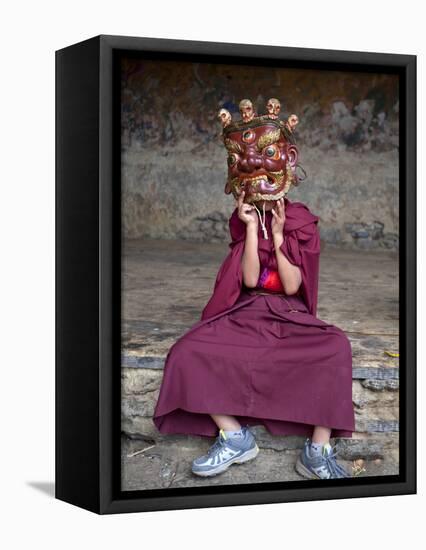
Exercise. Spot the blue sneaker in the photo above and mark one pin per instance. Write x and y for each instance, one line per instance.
(322, 466)
(224, 452)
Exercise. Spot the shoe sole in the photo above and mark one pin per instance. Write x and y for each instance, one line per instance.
(246, 457)
(302, 470)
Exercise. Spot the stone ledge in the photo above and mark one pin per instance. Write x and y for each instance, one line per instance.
(376, 410)
(133, 361)
(142, 427)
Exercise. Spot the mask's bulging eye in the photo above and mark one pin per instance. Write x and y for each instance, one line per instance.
(232, 159)
(272, 152)
(248, 136)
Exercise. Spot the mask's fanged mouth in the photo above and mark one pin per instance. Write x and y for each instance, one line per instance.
(263, 183)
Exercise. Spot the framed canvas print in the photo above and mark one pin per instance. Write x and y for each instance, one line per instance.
(235, 274)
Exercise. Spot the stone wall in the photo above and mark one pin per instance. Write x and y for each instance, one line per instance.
(174, 165)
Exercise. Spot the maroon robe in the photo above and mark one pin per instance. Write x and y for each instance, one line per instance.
(301, 247)
(265, 359)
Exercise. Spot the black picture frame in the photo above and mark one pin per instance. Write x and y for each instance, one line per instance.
(88, 277)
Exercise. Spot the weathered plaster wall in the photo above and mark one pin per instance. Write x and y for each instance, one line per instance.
(174, 165)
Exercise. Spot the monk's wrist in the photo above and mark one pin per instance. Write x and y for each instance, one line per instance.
(252, 228)
(278, 240)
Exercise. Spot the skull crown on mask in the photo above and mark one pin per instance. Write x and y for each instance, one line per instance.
(262, 154)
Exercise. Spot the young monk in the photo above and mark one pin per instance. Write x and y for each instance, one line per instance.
(258, 366)
(259, 354)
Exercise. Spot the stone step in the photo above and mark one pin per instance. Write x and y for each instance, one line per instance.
(136, 376)
(145, 344)
(384, 431)
(373, 370)
(376, 403)
(136, 409)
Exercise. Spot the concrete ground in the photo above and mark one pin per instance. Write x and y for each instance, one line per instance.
(164, 288)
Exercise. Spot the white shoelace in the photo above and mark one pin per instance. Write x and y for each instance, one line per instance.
(262, 221)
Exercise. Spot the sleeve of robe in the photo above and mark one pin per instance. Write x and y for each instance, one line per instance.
(301, 247)
(229, 279)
